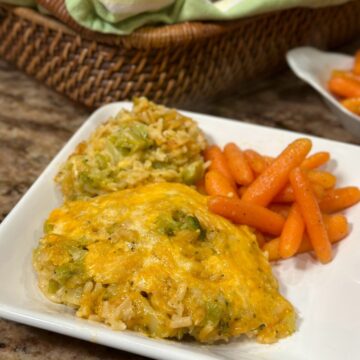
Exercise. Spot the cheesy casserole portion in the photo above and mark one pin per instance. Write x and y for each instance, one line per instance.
(155, 260)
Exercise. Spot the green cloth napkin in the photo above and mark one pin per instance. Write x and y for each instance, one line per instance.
(93, 14)
(124, 16)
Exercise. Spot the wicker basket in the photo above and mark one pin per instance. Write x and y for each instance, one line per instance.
(176, 64)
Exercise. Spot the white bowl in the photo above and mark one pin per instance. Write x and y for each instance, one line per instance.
(315, 67)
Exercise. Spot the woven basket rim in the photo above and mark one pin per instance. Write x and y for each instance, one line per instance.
(144, 38)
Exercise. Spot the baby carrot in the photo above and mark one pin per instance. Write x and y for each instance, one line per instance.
(241, 212)
(292, 233)
(310, 211)
(344, 86)
(315, 160)
(356, 69)
(340, 199)
(218, 184)
(352, 104)
(256, 161)
(337, 228)
(323, 178)
(218, 162)
(280, 209)
(286, 195)
(238, 165)
(241, 190)
(268, 159)
(275, 177)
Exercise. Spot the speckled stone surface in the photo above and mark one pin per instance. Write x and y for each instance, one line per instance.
(36, 122)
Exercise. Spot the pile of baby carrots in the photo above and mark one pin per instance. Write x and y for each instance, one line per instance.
(346, 85)
(289, 202)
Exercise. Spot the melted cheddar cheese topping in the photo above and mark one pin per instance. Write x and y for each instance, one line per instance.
(155, 260)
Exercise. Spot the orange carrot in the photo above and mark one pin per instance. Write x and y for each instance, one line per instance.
(315, 160)
(323, 178)
(269, 159)
(241, 212)
(340, 199)
(311, 213)
(292, 233)
(286, 195)
(356, 69)
(257, 163)
(352, 104)
(239, 168)
(318, 190)
(275, 177)
(218, 162)
(241, 190)
(336, 226)
(280, 209)
(218, 184)
(344, 86)
(271, 248)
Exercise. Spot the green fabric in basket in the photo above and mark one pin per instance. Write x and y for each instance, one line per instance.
(101, 15)
(124, 16)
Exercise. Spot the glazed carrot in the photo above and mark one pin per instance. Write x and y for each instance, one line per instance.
(292, 233)
(257, 163)
(241, 190)
(336, 226)
(352, 104)
(286, 195)
(356, 69)
(238, 165)
(275, 177)
(268, 159)
(280, 209)
(271, 248)
(340, 199)
(241, 212)
(323, 178)
(311, 213)
(315, 160)
(318, 190)
(218, 162)
(218, 184)
(344, 86)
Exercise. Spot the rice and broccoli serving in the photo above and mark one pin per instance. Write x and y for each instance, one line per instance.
(149, 144)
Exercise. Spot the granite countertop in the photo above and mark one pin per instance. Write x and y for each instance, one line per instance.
(36, 122)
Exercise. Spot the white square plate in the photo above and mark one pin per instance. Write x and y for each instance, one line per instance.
(326, 297)
(315, 67)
